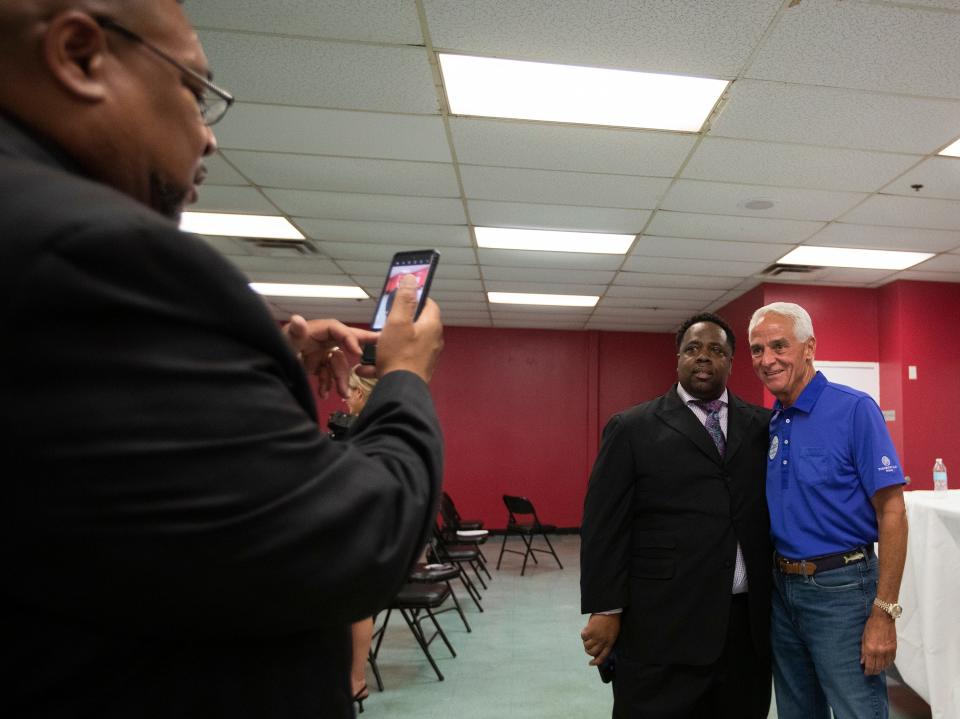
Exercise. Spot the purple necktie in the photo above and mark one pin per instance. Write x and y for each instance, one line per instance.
(712, 424)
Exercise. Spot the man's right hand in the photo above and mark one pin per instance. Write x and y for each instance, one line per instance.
(408, 345)
(599, 636)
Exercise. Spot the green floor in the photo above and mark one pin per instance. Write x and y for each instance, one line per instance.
(523, 660)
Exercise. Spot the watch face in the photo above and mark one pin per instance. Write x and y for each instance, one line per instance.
(895, 611)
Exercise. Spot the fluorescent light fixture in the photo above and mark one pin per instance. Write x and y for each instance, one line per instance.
(218, 223)
(952, 150)
(552, 240)
(526, 298)
(275, 289)
(493, 87)
(850, 257)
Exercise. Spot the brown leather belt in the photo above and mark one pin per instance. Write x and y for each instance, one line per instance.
(808, 567)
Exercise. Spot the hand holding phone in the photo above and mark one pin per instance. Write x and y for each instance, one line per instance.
(406, 344)
(422, 264)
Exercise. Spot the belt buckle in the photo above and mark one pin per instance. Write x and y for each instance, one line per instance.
(853, 557)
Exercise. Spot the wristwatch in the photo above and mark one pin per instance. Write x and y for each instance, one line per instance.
(891, 608)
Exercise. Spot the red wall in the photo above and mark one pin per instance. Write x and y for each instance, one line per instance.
(743, 382)
(922, 326)
(522, 411)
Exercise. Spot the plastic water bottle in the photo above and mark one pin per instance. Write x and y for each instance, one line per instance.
(939, 476)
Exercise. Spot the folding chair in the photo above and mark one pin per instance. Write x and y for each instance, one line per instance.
(518, 507)
(415, 602)
(459, 555)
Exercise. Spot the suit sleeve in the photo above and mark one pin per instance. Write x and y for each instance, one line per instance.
(168, 473)
(607, 519)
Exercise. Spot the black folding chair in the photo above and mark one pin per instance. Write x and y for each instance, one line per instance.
(415, 602)
(461, 556)
(523, 521)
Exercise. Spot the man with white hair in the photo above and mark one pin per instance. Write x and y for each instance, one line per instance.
(834, 488)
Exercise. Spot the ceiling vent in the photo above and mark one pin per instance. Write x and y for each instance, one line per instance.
(264, 247)
(777, 269)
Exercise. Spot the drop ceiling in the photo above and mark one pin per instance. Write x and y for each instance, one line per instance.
(836, 109)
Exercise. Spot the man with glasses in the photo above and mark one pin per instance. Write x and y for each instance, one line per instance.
(675, 560)
(179, 539)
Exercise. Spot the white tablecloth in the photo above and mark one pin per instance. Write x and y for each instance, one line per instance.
(928, 633)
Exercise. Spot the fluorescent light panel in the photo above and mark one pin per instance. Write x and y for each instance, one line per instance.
(552, 241)
(526, 298)
(952, 150)
(493, 87)
(217, 223)
(851, 257)
(275, 289)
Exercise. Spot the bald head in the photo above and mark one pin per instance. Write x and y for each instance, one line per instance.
(113, 95)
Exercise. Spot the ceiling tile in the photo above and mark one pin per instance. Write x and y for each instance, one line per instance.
(723, 198)
(693, 266)
(641, 292)
(340, 174)
(928, 276)
(767, 163)
(628, 304)
(219, 171)
(367, 20)
(645, 279)
(313, 265)
(723, 227)
(563, 276)
(445, 271)
(548, 260)
(854, 275)
(706, 249)
(908, 212)
(643, 35)
(548, 146)
(549, 288)
(275, 128)
(215, 198)
(562, 188)
(940, 177)
(942, 263)
(386, 232)
(867, 46)
(382, 252)
(441, 295)
(444, 284)
(780, 112)
(841, 234)
(349, 206)
(557, 217)
(268, 69)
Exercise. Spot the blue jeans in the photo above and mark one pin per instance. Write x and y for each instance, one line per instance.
(816, 627)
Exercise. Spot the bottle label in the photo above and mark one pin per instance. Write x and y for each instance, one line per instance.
(939, 476)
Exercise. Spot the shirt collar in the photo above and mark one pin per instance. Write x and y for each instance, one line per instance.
(688, 398)
(808, 397)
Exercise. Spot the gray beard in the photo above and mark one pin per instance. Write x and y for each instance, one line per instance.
(165, 198)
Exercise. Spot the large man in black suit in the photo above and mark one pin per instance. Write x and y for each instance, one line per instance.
(675, 559)
(178, 539)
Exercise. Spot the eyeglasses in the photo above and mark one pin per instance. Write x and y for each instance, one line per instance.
(213, 101)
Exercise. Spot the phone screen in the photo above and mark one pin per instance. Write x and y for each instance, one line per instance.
(421, 264)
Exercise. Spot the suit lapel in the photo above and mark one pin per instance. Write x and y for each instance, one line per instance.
(738, 417)
(678, 416)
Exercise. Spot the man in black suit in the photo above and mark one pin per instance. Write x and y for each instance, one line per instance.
(178, 538)
(675, 556)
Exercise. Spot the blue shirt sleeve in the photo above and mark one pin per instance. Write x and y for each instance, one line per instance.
(877, 463)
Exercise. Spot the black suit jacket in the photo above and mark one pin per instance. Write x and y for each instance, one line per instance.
(178, 539)
(661, 520)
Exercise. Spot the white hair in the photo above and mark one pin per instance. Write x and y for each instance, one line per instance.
(802, 324)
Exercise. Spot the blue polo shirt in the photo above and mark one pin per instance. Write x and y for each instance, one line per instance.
(829, 453)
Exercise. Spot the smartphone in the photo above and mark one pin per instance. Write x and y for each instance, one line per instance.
(422, 264)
